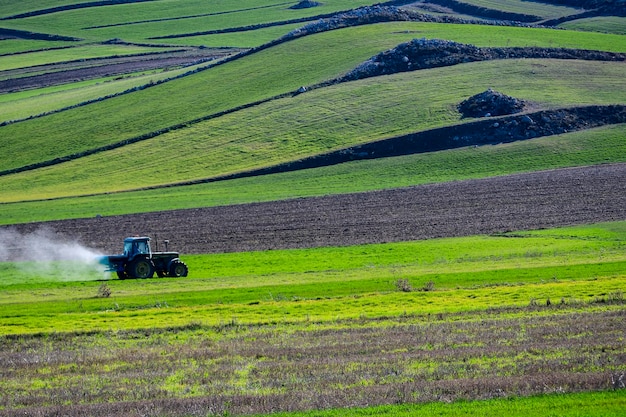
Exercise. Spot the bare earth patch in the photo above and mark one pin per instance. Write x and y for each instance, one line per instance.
(76, 71)
(485, 206)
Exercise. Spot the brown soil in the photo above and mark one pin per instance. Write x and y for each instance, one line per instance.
(485, 206)
(75, 71)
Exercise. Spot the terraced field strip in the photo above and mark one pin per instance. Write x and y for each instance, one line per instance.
(140, 21)
(544, 10)
(21, 46)
(596, 146)
(607, 24)
(317, 122)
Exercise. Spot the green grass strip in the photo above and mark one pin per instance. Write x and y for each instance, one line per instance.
(607, 24)
(165, 311)
(546, 11)
(562, 267)
(604, 403)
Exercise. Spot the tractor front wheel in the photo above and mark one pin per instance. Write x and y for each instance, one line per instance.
(178, 269)
(141, 268)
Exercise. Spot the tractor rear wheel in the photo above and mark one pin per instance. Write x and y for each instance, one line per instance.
(141, 268)
(178, 269)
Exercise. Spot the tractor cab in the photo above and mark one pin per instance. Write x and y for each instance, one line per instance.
(134, 246)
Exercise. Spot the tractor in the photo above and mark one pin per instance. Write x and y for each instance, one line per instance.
(138, 261)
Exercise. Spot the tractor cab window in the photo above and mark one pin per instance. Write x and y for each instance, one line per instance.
(142, 247)
(128, 248)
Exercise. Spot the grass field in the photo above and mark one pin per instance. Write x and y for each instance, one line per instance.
(477, 313)
(445, 319)
(13, 46)
(523, 323)
(317, 122)
(608, 24)
(141, 21)
(582, 263)
(24, 104)
(303, 62)
(606, 404)
(482, 36)
(545, 11)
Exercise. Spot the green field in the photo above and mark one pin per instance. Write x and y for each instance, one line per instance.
(608, 24)
(306, 61)
(606, 404)
(493, 303)
(141, 21)
(259, 287)
(293, 125)
(24, 104)
(520, 323)
(545, 11)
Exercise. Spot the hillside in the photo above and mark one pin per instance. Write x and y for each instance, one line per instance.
(137, 122)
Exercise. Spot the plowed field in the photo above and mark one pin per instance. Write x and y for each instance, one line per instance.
(517, 202)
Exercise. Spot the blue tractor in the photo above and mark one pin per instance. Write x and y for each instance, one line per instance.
(138, 261)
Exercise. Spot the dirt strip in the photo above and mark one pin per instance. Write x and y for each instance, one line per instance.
(517, 202)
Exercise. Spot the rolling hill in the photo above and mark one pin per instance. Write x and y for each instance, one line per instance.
(241, 119)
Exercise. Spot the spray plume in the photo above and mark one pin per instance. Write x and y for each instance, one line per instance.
(46, 255)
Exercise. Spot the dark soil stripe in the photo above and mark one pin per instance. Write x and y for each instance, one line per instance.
(87, 69)
(492, 205)
(24, 34)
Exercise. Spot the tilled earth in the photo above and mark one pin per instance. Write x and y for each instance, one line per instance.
(484, 206)
(76, 71)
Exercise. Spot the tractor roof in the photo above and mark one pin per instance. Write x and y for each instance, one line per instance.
(136, 238)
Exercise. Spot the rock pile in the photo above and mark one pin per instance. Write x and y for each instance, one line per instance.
(305, 4)
(490, 103)
(368, 15)
(431, 53)
(417, 54)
